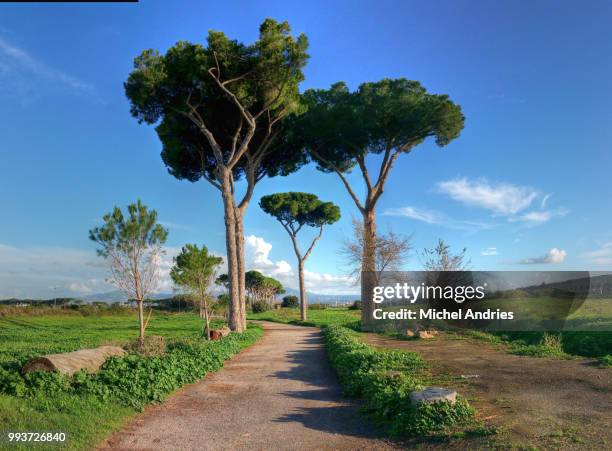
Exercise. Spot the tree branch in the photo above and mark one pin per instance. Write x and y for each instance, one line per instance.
(314, 242)
(343, 178)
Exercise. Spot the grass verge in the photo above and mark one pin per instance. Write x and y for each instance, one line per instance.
(87, 407)
(384, 380)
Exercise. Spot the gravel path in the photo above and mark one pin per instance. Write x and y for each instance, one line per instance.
(279, 394)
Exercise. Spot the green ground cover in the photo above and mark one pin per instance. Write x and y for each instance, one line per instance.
(384, 380)
(89, 407)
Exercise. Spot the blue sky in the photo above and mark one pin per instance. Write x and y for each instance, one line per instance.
(526, 186)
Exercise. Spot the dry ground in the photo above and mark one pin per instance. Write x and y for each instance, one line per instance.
(536, 402)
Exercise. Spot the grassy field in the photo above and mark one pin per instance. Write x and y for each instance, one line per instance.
(316, 318)
(88, 411)
(24, 337)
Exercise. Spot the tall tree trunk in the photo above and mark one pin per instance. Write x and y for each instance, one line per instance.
(241, 266)
(234, 313)
(303, 300)
(368, 265)
(141, 323)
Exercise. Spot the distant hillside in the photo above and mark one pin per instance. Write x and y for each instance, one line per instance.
(115, 296)
(324, 298)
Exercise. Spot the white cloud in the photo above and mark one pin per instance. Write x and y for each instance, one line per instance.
(489, 251)
(428, 216)
(537, 217)
(601, 256)
(35, 271)
(554, 255)
(544, 200)
(43, 272)
(500, 198)
(257, 254)
(436, 218)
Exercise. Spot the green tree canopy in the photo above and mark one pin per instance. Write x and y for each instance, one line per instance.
(221, 102)
(387, 118)
(295, 210)
(223, 280)
(254, 279)
(221, 112)
(194, 269)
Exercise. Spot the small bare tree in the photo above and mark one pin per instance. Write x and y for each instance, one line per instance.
(440, 259)
(132, 246)
(391, 251)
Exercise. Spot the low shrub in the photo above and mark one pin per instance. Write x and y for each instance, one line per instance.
(153, 346)
(135, 380)
(384, 379)
(356, 305)
(260, 307)
(290, 302)
(318, 306)
(551, 345)
(606, 360)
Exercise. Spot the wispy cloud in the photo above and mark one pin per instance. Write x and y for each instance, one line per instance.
(499, 198)
(418, 214)
(601, 256)
(554, 255)
(544, 200)
(538, 217)
(489, 251)
(436, 218)
(22, 72)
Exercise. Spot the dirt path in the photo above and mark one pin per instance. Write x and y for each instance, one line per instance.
(553, 404)
(278, 394)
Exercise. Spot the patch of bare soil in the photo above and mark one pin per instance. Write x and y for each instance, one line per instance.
(535, 402)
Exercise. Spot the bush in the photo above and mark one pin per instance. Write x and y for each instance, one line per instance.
(153, 346)
(317, 306)
(356, 305)
(384, 379)
(260, 307)
(290, 302)
(606, 360)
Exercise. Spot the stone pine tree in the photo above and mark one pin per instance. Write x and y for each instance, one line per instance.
(387, 119)
(253, 282)
(132, 246)
(194, 270)
(221, 111)
(294, 211)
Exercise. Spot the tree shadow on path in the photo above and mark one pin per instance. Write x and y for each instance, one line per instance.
(331, 412)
